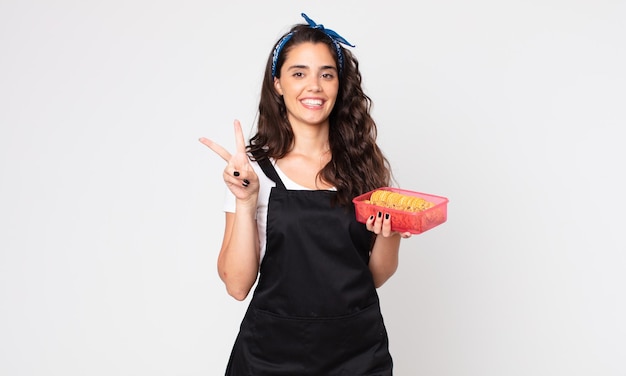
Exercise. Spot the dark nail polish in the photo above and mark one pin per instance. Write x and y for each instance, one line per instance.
(236, 173)
(371, 217)
(246, 181)
(387, 216)
(380, 214)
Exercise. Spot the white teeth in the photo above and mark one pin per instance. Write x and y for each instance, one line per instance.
(312, 102)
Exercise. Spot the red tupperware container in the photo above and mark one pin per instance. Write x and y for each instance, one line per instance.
(405, 221)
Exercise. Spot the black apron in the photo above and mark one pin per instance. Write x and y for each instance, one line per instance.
(315, 310)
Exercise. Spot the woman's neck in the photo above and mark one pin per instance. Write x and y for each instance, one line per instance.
(310, 141)
(308, 156)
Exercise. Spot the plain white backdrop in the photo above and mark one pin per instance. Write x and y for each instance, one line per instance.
(110, 208)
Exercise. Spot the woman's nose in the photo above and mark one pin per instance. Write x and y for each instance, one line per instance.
(314, 85)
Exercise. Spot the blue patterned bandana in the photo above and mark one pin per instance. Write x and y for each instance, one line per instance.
(336, 38)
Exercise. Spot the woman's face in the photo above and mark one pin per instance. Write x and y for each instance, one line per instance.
(309, 84)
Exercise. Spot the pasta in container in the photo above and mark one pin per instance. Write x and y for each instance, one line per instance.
(410, 211)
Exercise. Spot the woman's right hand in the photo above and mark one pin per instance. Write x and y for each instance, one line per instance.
(239, 175)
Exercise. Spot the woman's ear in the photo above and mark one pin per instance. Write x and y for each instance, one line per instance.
(277, 87)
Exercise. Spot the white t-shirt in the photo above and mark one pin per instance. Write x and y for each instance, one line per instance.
(265, 186)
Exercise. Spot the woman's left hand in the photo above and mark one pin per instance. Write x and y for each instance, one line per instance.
(380, 224)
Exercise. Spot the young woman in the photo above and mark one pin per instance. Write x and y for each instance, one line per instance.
(290, 220)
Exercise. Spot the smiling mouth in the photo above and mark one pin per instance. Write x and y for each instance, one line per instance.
(312, 102)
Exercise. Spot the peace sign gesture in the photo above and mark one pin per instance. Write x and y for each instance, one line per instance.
(238, 174)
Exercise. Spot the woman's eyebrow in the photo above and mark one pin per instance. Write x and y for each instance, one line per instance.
(298, 66)
(302, 66)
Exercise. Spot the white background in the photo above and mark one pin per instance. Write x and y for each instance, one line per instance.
(110, 208)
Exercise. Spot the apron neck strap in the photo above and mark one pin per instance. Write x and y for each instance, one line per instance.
(269, 171)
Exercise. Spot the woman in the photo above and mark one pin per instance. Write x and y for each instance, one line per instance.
(291, 222)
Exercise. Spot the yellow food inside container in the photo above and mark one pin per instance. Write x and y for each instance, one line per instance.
(399, 201)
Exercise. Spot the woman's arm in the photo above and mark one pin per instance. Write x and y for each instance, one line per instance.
(384, 258)
(238, 261)
(385, 252)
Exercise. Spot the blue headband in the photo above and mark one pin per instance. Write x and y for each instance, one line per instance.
(336, 38)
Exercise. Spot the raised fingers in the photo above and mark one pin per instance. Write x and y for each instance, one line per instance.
(239, 161)
(240, 142)
(218, 149)
(238, 174)
(221, 151)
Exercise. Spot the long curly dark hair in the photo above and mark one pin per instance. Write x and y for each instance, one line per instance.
(357, 164)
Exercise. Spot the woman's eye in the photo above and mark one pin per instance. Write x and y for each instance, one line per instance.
(298, 74)
(327, 75)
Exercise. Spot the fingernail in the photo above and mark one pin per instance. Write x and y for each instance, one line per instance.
(246, 181)
(236, 173)
(380, 214)
(371, 217)
(387, 216)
